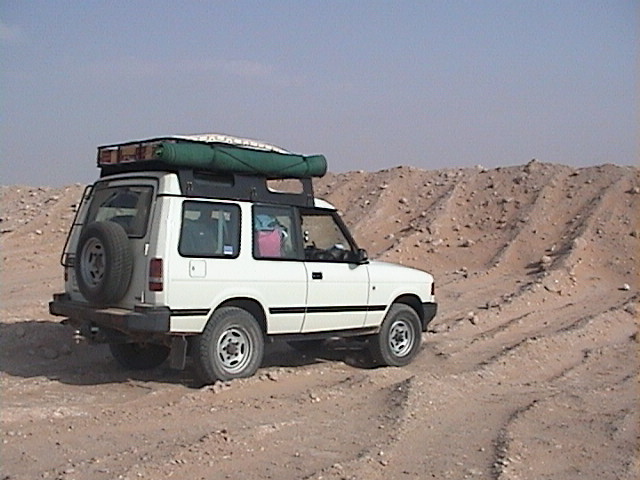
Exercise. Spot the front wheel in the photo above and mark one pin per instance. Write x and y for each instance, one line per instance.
(398, 341)
(231, 346)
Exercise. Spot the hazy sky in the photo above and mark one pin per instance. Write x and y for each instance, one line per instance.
(371, 84)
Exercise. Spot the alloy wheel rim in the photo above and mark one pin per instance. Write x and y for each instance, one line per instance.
(92, 262)
(234, 349)
(401, 338)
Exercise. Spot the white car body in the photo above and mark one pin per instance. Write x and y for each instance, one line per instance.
(173, 291)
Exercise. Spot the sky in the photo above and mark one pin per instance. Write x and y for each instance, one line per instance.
(371, 84)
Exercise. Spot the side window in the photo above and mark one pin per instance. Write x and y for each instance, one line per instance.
(127, 206)
(324, 240)
(274, 233)
(209, 230)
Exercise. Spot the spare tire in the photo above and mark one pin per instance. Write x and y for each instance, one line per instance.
(103, 263)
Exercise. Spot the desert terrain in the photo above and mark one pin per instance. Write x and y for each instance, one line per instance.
(529, 371)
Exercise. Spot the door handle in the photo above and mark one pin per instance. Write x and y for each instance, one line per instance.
(316, 275)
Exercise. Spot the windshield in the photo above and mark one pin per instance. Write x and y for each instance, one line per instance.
(128, 206)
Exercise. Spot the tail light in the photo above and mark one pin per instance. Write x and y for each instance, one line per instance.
(68, 266)
(155, 275)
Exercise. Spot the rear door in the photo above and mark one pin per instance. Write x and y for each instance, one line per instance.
(277, 270)
(129, 203)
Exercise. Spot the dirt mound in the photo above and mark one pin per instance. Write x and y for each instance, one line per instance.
(530, 370)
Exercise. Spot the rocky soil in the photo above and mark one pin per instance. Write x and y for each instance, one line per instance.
(530, 370)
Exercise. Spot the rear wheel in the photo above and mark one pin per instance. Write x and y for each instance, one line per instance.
(139, 356)
(231, 346)
(398, 341)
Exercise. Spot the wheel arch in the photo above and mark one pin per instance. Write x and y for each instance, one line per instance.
(412, 301)
(250, 305)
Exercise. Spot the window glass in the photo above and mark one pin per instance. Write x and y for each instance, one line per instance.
(128, 206)
(323, 238)
(274, 233)
(209, 230)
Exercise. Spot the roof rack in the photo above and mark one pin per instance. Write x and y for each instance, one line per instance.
(204, 174)
(209, 152)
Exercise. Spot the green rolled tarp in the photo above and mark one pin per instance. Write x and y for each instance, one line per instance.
(233, 159)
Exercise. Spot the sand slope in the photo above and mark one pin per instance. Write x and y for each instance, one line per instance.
(530, 370)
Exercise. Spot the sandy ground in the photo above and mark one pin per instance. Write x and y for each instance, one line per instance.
(530, 370)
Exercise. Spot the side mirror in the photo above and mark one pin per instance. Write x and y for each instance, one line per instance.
(361, 256)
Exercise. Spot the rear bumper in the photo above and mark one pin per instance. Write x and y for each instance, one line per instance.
(429, 310)
(142, 318)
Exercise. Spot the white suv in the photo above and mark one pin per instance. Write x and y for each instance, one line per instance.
(170, 257)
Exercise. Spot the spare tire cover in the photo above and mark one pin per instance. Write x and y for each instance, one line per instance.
(103, 263)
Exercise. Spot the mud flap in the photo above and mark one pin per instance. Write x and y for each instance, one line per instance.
(178, 356)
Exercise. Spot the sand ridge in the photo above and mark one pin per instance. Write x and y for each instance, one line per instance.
(530, 370)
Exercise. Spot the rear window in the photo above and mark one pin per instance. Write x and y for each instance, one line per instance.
(128, 206)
